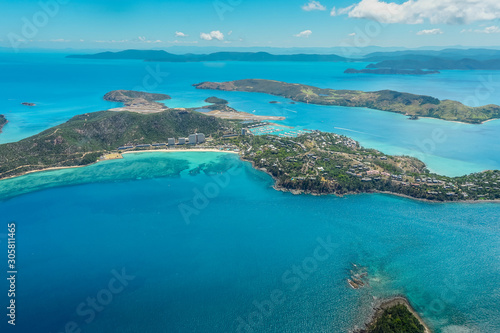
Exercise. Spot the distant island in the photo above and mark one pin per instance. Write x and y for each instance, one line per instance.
(385, 100)
(312, 162)
(396, 62)
(3, 121)
(216, 100)
(28, 104)
(438, 64)
(163, 56)
(389, 71)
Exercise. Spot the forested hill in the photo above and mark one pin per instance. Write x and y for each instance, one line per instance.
(385, 100)
(83, 138)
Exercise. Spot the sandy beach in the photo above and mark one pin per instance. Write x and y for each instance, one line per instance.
(200, 150)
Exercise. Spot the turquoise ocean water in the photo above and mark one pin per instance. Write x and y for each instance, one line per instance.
(219, 250)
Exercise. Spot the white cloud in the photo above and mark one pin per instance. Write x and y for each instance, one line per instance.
(313, 5)
(352, 34)
(420, 11)
(488, 30)
(430, 32)
(333, 12)
(491, 30)
(142, 38)
(305, 33)
(59, 40)
(212, 35)
(180, 34)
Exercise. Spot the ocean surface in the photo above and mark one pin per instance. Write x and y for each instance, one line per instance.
(207, 250)
(201, 242)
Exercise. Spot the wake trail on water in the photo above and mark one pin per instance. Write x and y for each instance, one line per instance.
(350, 130)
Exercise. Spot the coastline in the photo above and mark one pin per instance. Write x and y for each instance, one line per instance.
(276, 186)
(299, 192)
(196, 150)
(381, 305)
(126, 152)
(461, 122)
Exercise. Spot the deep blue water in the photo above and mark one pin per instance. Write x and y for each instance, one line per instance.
(79, 228)
(198, 265)
(62, 88)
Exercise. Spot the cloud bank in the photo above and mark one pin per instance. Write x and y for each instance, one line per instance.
(421, 11)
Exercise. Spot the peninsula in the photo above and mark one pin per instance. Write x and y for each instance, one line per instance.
(143, 102)
(308, 162)
(137, 101)
(384, 100)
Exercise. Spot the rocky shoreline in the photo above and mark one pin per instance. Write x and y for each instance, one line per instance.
(278, 187)
(3, 122)
(384, 304)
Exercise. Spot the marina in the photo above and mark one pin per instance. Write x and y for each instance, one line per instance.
(278, 130)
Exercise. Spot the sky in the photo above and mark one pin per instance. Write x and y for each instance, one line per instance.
(146, 24)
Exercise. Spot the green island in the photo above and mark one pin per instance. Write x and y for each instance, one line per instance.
(395, 316)
(313, 162)
(384, 100)
(3, 121)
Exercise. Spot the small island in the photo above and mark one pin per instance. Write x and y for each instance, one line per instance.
(216, 100)
(389, 71)
(384, 100)
(28, 104)
(395, 315)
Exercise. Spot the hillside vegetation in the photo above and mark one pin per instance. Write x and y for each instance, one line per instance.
(83, 138)
(397, 319)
